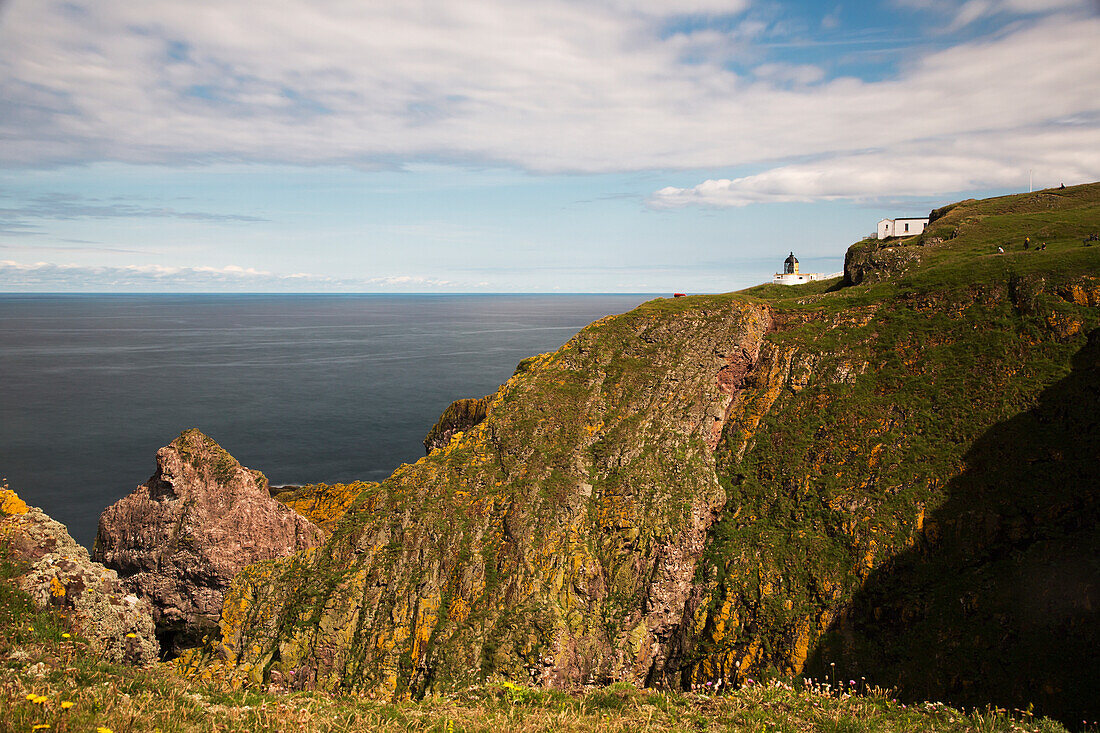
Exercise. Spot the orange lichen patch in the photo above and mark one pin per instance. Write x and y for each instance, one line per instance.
(324, 504)
(57, 588)
(1086, 293)
(10, 503)
(458, 611)
(800, 649)
(426, 617)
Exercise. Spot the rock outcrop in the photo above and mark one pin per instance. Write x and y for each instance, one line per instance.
(460, 415)
(59, 574)
(179, 538)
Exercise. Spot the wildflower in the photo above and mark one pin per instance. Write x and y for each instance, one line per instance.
(40, 699)
(40, 726)
(101, 729)
(65, 705)
(66, 636)
(32, 696)
(131, 635)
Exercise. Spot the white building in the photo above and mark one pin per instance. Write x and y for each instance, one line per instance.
(791, 275)
(901, 227)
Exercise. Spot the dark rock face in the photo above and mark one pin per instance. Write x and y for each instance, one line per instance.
(873, 261)
(459, 417)
(179, 538)
(59, 575)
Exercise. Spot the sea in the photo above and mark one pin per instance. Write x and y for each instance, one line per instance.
(306, 388)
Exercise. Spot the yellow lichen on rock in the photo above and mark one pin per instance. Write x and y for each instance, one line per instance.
(10, 503)
(57, 588)
(324, 504)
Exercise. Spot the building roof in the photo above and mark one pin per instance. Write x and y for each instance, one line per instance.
(791, 260)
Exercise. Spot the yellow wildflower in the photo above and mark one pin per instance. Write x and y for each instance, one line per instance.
(40, 699)
(40, 726)
(32, 696)
(66, 636)
(101, 729)
(65, 705)
(131, 635)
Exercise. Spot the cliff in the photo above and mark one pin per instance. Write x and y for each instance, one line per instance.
(890, 477)
(179, 538)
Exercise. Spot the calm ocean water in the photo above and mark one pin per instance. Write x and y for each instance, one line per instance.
(305, 388)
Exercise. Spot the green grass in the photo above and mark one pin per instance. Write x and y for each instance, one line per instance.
(55, 682)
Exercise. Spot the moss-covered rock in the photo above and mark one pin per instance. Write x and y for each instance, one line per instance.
(556, 540)
(323, 504)
(59, 575)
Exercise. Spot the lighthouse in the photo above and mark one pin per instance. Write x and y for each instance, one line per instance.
(791, 275)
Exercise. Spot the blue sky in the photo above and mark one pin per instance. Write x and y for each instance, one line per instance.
(504, 146)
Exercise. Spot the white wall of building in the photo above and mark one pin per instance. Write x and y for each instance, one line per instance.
(797, 279)
(901, 227)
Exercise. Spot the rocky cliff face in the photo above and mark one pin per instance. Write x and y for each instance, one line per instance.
(555, 541)
(59, 575)
(875, 480)
(179, 539)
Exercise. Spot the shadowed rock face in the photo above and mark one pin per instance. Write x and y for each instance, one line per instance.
(59, 575)
(179, 538)
(460, 416)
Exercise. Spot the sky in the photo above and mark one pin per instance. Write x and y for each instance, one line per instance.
(514, 146)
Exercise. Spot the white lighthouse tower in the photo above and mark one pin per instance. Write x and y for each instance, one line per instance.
(791, 275)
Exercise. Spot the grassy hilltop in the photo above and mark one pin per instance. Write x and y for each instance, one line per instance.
(886, 480)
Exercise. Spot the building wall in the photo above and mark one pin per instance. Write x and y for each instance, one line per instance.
(897, 227)
(796, 279)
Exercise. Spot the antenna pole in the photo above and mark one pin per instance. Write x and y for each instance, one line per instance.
(1029, 186)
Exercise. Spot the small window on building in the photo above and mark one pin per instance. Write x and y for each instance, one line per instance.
(906, 227)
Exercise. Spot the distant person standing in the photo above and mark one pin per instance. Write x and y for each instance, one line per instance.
(1027, 242)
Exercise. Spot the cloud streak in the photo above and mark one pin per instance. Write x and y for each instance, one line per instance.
(1058, 154)
(46, 276)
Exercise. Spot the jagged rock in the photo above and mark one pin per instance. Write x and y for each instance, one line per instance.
(460, 415)
(59, 574)
(179, 538)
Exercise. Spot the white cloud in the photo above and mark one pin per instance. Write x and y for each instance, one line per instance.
(22, 276)
(780, 73)
(1063, 155)
(560, 85)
